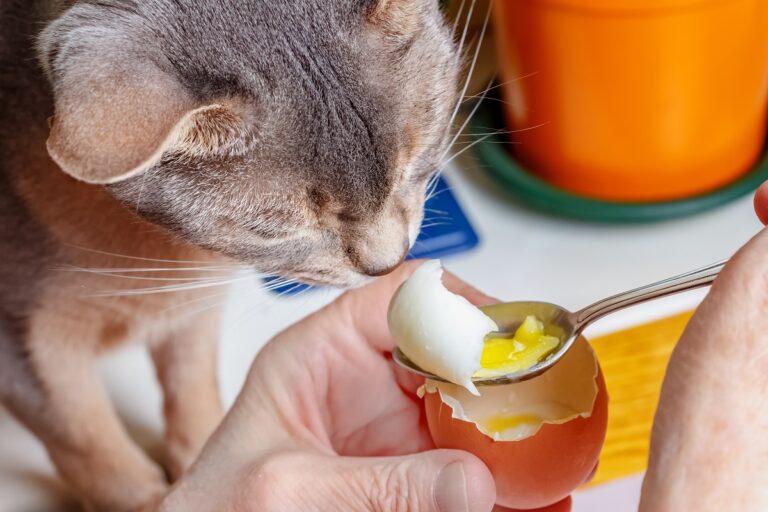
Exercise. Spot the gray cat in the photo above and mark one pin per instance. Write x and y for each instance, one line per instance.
(296, 137)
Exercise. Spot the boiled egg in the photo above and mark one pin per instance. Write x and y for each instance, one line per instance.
(446, 335)
(540, 438)
(438, 330)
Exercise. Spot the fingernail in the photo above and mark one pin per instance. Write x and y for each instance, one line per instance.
(451, 489)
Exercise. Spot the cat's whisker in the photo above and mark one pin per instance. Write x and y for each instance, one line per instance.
(437, 193)
(279, 284)
(458, 18)
(457, 108)
(219, 296)
(464, 125)
(435, 224)
(459, 57)
(475, 58)
(493, 87)
(526, 129)
(431, 187)
(121, 274)
(426, 234)
(503, 132)
(498, 100)
(484, 138)
(135, 270)
(160, 279)
(155, 260)
(442, 216)
(291, 288)
(205, 309)
(465, 149)
(466, 28)
(170, 288)
(481, 134)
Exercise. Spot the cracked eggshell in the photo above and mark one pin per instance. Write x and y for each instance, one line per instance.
(438, 330)
(541, 461)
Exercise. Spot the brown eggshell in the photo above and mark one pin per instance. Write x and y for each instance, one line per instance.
(540, 469)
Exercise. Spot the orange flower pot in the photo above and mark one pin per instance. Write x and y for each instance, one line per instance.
(635, 100)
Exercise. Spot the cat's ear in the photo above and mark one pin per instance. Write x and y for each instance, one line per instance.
(116, 112)
(396, 17)
(107, 128)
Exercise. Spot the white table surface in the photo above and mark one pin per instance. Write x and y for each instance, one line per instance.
(523, 255)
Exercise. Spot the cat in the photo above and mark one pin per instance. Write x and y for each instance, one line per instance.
(295, 137)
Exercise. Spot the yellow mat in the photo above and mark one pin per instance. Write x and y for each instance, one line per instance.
(633, 362)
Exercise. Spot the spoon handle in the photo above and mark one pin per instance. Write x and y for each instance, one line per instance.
(684, 282)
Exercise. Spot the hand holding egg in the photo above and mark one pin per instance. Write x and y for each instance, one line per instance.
(325, 423)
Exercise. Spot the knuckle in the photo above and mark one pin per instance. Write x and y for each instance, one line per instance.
(392, 490)
(268, 483)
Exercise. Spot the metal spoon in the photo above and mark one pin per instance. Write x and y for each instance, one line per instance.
(567, 326)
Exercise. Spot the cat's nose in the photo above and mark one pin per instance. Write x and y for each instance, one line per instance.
(374, 259)
(377, 269)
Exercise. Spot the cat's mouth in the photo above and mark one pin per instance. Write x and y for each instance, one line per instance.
(322, 278)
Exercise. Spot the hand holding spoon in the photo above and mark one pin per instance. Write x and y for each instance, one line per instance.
(567, 325)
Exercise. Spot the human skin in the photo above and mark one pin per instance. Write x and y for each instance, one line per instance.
(326, 422)
(709, 449)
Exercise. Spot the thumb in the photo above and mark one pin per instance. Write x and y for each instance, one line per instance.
(434, 481)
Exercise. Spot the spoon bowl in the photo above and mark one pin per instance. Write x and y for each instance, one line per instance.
(567, 325)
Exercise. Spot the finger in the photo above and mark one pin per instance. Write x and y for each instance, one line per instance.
(407, 380)
(366, 308)
(435, 481)
(761, 203)
(467, 291)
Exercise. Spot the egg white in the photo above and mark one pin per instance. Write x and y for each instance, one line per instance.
(438, 330)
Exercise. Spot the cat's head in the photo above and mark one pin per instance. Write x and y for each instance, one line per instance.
(297, 136)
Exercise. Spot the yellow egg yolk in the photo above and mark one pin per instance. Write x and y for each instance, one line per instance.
(528, 346)
(498, 424)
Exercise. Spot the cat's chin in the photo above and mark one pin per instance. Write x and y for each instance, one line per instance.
(361, 281)
(350, 283)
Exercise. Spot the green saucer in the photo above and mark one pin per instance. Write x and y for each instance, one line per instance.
(532, 191)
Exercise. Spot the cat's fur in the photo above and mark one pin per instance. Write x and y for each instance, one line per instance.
(296, 136)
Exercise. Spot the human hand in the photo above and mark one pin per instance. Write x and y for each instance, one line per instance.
(709, 448)
(326, 422)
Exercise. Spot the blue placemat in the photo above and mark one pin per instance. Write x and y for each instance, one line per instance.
(444, 232)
